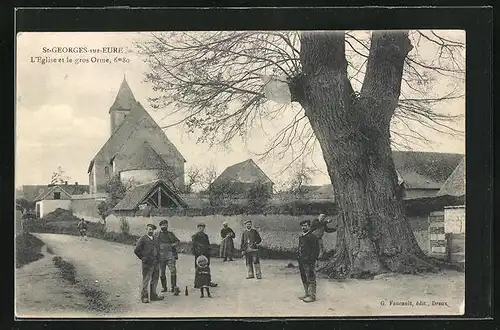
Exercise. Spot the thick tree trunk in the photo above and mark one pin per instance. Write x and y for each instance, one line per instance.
(353, 130)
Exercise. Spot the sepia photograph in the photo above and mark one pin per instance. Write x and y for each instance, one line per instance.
(202, 174)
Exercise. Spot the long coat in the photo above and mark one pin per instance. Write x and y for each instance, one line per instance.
(165, 241)
(227, 244)
(201, 244)
(308, 248)
(147, 250)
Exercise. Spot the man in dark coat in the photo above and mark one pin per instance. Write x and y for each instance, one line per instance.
(147, 250)
(250, 240)
(168, 255)
(227, 244)
(307, 255)
(201, 245)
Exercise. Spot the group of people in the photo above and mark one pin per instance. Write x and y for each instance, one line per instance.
(158, 250)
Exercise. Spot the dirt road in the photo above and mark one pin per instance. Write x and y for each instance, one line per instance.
(114, 269)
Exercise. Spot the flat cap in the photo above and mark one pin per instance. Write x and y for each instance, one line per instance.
(201, 225)
(151, 225)
(247, 221)
(305, 221)
(163, 222)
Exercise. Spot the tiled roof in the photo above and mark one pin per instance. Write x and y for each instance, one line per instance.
(455, 184)
(125, 99)
(136, 117)
(144, 158)
(244, 172)
(424, 170)
(69, 189)
(136, 195)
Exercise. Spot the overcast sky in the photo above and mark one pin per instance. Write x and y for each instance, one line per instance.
(62, 113)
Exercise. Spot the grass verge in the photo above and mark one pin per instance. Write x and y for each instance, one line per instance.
(28, 249)
(96, 299)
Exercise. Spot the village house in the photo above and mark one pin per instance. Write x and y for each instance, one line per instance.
(240, 177)
(447, 226)
(57, 196)
(138, 151)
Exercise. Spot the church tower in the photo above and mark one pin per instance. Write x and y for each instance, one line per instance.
(124, 102)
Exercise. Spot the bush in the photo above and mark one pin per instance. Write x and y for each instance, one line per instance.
(124, 226)
(258, 196)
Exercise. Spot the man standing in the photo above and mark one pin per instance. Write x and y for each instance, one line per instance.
(168, 255)
(227, 244)
(307, 256)
(319, 227)
(201, 246)
(250, 240)
(147, 250)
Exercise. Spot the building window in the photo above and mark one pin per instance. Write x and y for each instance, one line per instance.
(57, 195)
(106, 171)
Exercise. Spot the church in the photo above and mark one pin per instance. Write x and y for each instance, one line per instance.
(138, 151)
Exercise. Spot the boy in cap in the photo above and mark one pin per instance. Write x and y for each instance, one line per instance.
(201, 245)
(147, 250)
(82, 228)
(250, 240)
(168, 255)
(307, 256)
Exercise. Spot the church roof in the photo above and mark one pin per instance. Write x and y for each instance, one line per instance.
(137, 116)
(144, 157)
(244, 172)
(455, 184)
(137, 195)
(125, 99)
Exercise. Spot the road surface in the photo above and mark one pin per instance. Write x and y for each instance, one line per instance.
(114, 269)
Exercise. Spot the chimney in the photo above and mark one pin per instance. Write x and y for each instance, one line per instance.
(65, 183)
(76, 183)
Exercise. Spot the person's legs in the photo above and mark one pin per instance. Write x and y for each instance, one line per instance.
(303, 277)
(154, 282)
(256, 265)
(173, 275)
(147, 272)
(163, 276)
(249, 264)
(321, 248)
(310, 270)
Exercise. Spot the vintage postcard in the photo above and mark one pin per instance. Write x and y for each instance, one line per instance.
(240, 174)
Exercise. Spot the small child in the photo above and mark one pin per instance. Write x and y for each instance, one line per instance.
(202, 276)
(82, 227)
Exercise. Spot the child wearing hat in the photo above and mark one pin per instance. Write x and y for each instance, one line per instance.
(202, 277)
(201, 246)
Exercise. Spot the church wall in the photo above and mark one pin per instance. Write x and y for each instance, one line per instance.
(155, 137)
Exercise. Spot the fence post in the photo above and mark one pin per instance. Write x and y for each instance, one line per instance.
(448, 238)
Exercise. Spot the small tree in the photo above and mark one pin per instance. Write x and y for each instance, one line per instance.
(115, 190)
(301, 176)
(58, 176)
(103, 209)
(220, 195)
(258, 196)
(194, 178)
(208, 177)
(24, 204)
